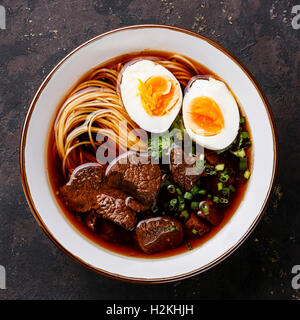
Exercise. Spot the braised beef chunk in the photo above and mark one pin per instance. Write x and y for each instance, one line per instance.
(184, 170)
(110, 232)
(195, 227)
(159, 234)
(137, 176)
(80, 193)
(115, 205)
(209, 212)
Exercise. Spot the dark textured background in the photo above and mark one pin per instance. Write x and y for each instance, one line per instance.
(40, 33)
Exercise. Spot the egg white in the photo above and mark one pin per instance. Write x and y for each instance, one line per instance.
(143, 70)
(217, 91)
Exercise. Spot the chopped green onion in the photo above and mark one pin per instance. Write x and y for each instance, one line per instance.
(173, 202)
(189, 246)
(204, 208)
(209, 195)
(202, 192)
(179, 192)
(232, 188)
(180, 198)
(247, 174)
(216, 199)
(184, 214)
(194, 190)
(171, 188)
(220, 167)
(239, 153)
(171, 207)
(170, 228)
(224, 177)
(154, 209)
(195, 231)
(195, 205)
(207, 170)
(226, 191)
(213, 172)
(242, 120)
(181, 206)
(245, 135)
(188, 195)
(224, 200)
(243, 164)
(248, 143)
(210, 171)
(220, 186)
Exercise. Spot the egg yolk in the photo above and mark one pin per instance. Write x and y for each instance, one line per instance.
(205, 116)
(158, 95)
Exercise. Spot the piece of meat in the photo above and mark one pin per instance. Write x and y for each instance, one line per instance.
(80, 193)
(159, 234)
(136, 176)
(115, 205)
(210, 213)
(195, 227)
(184, 170)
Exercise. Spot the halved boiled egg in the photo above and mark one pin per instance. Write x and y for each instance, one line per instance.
(151, 95)
(210, 113)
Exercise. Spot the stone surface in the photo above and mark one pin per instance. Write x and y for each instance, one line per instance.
(39, 33)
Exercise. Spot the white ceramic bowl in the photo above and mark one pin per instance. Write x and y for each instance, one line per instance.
(62, 78)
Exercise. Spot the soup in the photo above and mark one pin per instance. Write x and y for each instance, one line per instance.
(149, 154)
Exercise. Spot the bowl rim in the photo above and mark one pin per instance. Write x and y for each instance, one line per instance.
(117, 276)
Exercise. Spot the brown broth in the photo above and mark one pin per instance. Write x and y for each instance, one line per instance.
(57, 180)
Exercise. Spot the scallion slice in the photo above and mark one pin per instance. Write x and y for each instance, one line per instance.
(195, 205)
(188, 195)
(171, 188)
(243, 164)
(194, 190)
(181, 206)
(189, 246)
(154, 209)
(239, 153)
(245, 135)
(202, 192)
(224, 177)
(179, 192)
(224, 200)
(173, 202)
(204, 208)
(247, 174)
(184, 214)
(220, 186)
(216, 199)
(232, 188)
(220, 167)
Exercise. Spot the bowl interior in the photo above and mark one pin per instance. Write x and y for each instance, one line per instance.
(67, 73)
